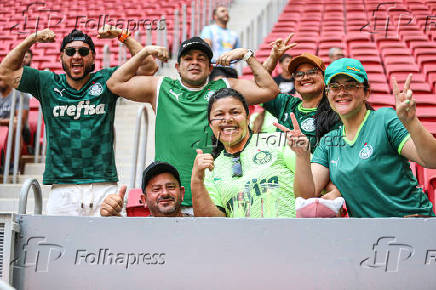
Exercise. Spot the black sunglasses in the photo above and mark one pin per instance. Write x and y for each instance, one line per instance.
(83, 51)
(236, 166)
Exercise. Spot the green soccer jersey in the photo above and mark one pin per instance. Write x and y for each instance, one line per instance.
(374, 179)
(284, 104)
(265, 188)
(182, 126)
(78, 124)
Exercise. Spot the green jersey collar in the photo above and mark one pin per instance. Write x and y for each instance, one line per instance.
(351, 143)
(305, 110)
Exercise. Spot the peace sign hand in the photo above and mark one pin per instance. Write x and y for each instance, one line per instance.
(297, 141)
(279, 47)
(404, 103)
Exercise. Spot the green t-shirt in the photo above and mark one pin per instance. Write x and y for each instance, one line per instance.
(374, 179)
(284, 104)
(265, 188)
(79, 126)
(182, 126)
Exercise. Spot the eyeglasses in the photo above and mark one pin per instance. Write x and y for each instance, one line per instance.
(83, 51)
(236, 166)
(348, 87)
(300, 74)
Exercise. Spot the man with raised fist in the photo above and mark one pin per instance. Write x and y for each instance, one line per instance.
(79, 112)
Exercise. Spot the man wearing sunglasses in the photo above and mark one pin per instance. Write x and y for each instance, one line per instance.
(78, 112)
(181, 104)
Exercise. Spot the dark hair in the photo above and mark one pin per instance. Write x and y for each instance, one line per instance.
(221, 94)
(366, 88)
(29, 51)
(325, 118)
(216, 8)
(283, 57)
(224, 71)
(77, 35)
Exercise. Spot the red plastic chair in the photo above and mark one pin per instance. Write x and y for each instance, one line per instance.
(135, 207)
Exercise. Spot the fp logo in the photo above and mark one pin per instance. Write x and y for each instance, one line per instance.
(38, 254)
(387, 254)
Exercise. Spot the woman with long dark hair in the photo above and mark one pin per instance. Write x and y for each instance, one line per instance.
(312, 111)
(247, 175)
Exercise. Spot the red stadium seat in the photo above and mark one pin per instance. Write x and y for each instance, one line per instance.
(135, 207)
(4, 131)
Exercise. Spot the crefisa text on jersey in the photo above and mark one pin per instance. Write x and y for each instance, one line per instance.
(76, 111)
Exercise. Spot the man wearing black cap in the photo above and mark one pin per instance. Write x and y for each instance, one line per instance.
(181, 104)
(162, 193)
(78, 112)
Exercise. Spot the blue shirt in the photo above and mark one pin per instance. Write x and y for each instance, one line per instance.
(223, 40)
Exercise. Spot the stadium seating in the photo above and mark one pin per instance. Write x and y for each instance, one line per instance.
(391, 39)
(3, 143)
(20, 18)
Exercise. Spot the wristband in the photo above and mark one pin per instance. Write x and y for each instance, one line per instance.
(248, 54)
(123, 36)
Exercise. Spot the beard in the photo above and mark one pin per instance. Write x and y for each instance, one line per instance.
(88, 69)
(168, 210)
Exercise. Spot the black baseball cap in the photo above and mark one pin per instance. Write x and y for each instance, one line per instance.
(155, 168)
(194, 43)
(77, 35)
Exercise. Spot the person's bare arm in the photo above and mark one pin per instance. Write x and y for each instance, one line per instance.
(123, 81)
(201, 201)
(279, 47)
(208, 41)
(310, 179)
(148, 67)
(263, 89)
(10, 68)
(421, 147)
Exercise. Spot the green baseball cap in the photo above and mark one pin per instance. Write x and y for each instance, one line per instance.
(346, 66)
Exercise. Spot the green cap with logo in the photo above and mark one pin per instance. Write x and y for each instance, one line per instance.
(345, 66)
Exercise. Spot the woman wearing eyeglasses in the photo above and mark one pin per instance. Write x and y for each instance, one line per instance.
(367, 159)
(247, 175)
(312, 111)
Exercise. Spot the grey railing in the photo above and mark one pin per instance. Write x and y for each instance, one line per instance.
(14, 138)
(141, 132)
(24, 192)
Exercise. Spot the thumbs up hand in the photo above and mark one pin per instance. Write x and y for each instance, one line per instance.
(201, 162)
(113, 203)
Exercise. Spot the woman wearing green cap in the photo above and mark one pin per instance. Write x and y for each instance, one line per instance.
(367, 159)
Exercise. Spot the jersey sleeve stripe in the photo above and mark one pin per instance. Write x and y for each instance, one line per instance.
(400, 147)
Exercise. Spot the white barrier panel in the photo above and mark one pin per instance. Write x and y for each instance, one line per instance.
(214, 253)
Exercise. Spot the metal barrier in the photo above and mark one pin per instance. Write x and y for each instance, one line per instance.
(8, 229)
(208, 253)
(24, 192)
(14, 131)
(141, 131)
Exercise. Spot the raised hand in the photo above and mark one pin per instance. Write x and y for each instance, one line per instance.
(405, 105)
(279, 47)
(234, 54)
(297, 141)
(109, 31)
(158, 52)
(45, 35)
(201, 162)
(113, 203)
